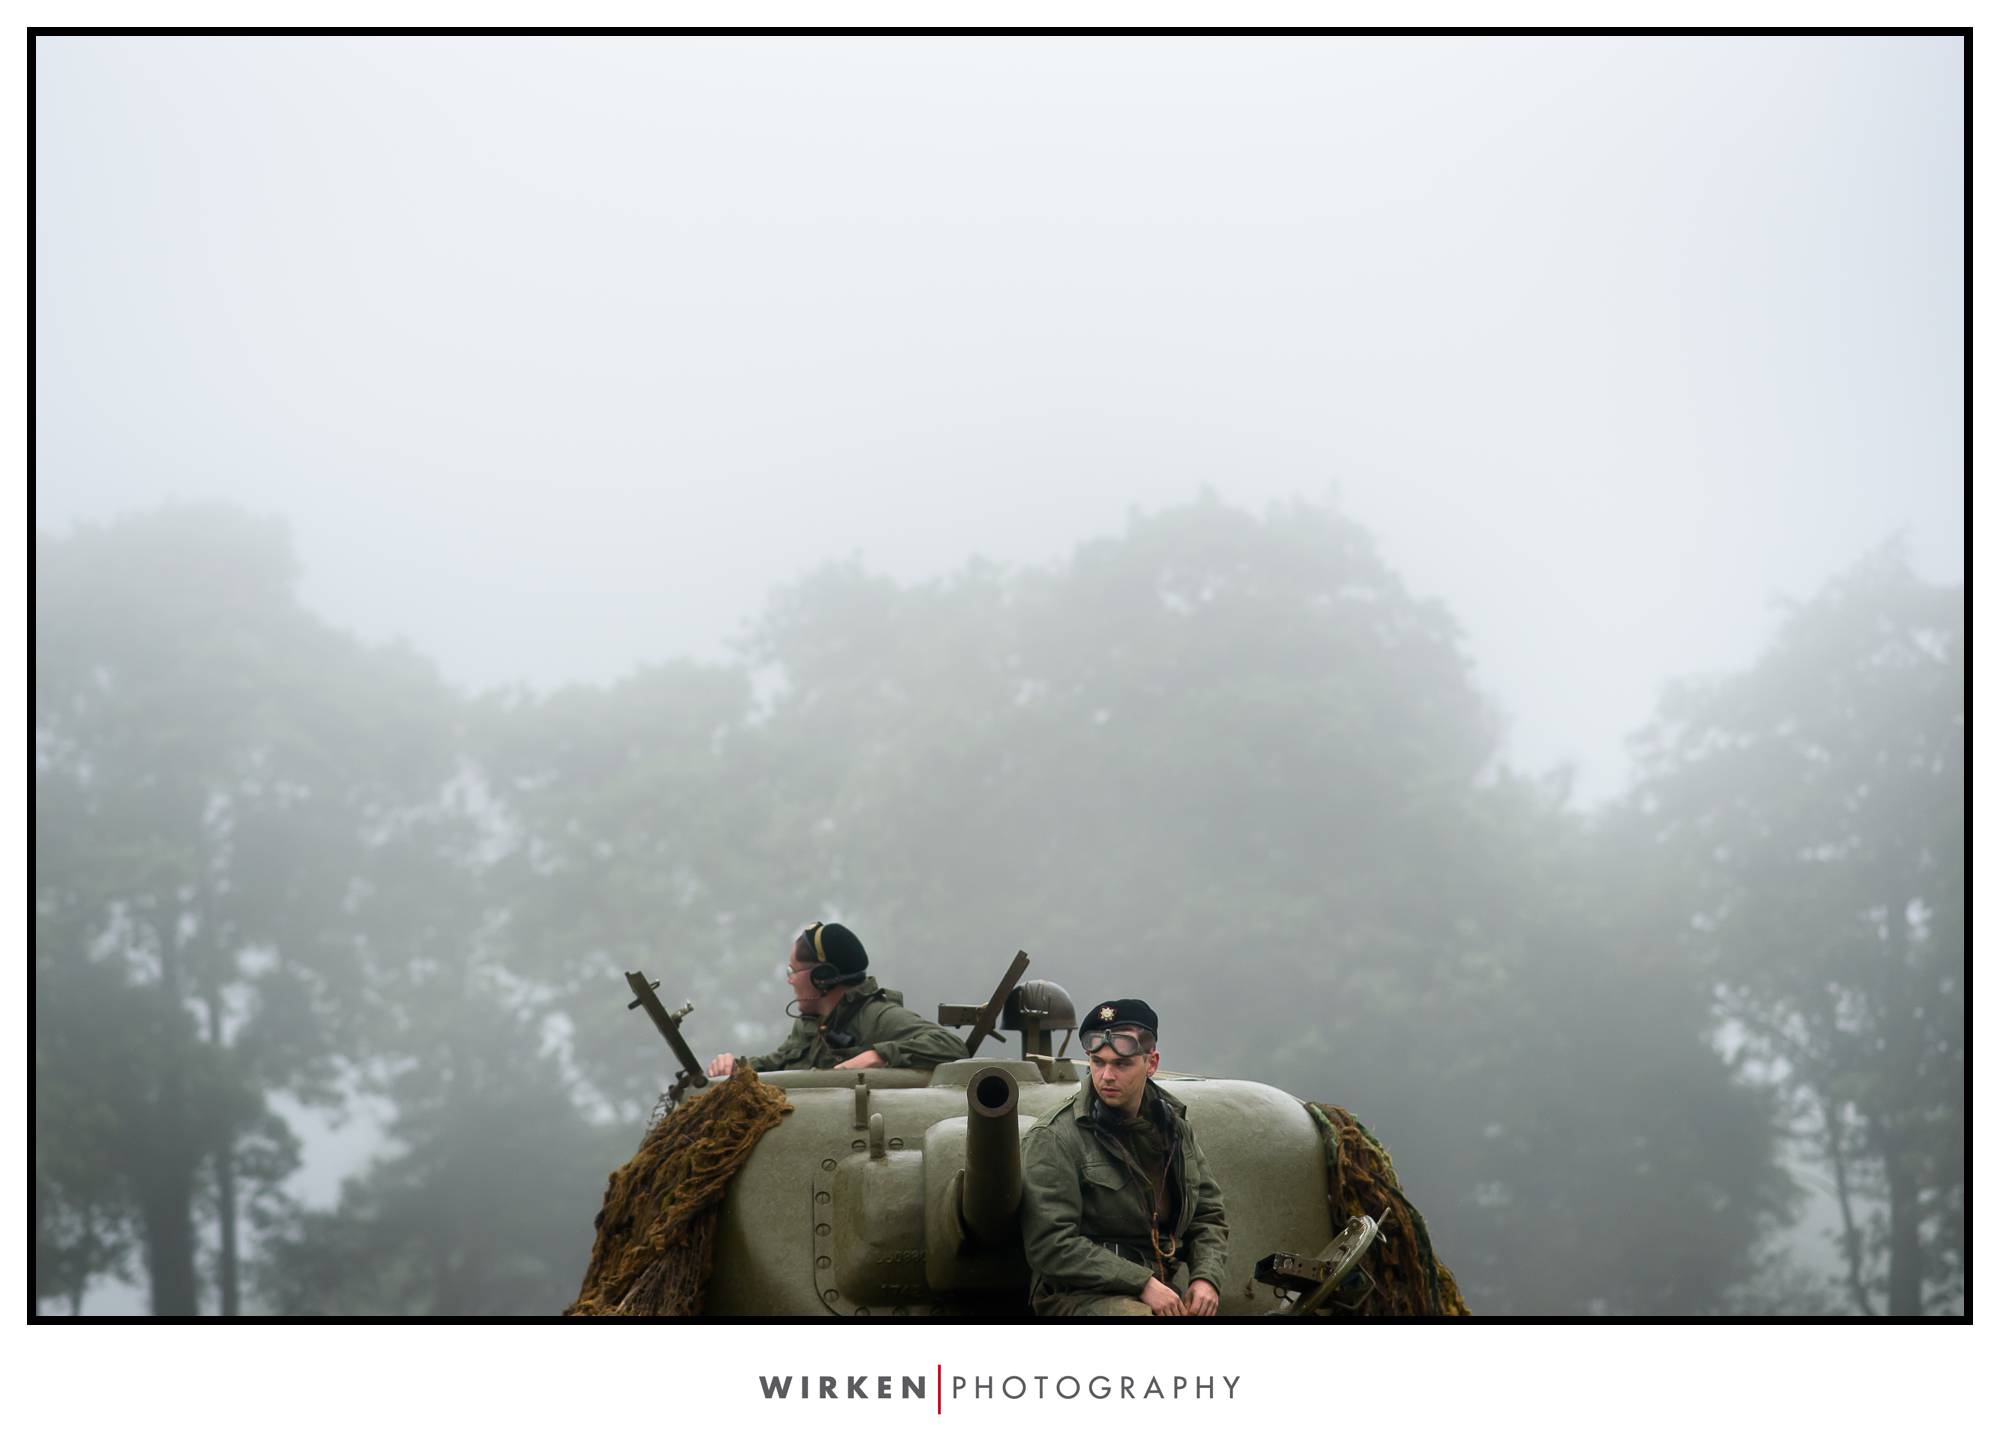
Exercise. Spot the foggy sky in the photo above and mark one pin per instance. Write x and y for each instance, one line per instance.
(559, 353)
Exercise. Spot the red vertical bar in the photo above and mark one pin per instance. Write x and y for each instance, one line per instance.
(940, 1389)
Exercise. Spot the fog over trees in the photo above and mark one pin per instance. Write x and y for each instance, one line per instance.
(1221, 758)
(1436, 560)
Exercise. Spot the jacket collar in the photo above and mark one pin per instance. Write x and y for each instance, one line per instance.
(850, 1003)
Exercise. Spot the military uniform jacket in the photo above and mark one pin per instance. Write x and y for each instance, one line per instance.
(1086, 1215)
(868, 1017)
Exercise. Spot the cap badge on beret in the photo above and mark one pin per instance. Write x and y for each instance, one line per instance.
(1107, 1013)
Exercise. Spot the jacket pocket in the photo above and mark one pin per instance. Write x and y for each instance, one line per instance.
(1105, 1175)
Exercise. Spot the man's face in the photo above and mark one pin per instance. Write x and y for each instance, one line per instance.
(1120, 1078)
(799, 977)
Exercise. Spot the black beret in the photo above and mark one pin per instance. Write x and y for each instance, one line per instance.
(1121, 1012)
(838, 946)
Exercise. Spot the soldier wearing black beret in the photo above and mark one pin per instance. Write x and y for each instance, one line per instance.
(846, 1021)
(1117, 1201)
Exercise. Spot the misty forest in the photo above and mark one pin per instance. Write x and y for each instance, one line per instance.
(1697, 1050)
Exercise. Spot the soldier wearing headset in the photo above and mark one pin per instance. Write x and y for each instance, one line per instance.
(846, 1021)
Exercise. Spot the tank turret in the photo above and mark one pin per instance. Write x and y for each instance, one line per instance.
(916, 1211)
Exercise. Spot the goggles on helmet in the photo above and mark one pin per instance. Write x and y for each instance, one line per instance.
(1124, 1041)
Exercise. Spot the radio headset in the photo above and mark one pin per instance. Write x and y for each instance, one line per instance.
(823, 975)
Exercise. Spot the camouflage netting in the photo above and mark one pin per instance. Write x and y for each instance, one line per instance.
(656, 1233)
(1361, 1181)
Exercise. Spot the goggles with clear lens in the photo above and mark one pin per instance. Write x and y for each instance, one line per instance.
(1124, 1043)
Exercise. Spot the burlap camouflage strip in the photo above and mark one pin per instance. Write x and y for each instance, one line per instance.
(656, 1232)
(1361, 1181)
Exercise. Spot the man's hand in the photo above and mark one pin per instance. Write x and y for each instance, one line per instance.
(866, 1060)
(720, 1067)
(1162, 1298)
(1201, 1299)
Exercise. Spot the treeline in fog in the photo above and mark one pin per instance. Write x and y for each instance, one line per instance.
(1226, 762)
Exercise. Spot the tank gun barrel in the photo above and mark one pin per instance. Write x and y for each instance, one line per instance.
(991, 1192)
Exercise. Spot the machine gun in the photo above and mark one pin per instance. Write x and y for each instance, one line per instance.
(982, 1018)
(1333, 1280)
(692, 1076)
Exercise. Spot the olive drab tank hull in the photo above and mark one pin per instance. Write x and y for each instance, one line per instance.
(895, 1192)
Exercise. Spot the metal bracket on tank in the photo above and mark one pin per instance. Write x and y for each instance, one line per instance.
(824, 1284)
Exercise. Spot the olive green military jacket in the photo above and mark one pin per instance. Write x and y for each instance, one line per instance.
(868, 1017)
(1086, 1216)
